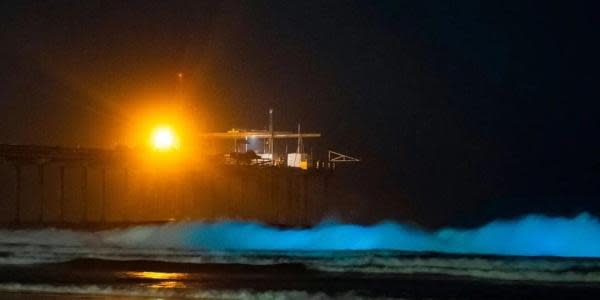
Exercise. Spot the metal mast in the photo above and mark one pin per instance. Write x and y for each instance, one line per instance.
(271, 135)
(180, 96)
(300, 148)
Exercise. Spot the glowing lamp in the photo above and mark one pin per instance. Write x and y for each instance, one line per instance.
(164, 138)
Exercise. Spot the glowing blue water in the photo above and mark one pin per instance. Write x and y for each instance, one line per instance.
(531, 235)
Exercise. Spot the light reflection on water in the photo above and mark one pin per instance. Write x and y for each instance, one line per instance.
(168, 285)
(166, 280)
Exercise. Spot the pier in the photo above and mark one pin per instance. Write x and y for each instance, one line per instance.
(78, 187)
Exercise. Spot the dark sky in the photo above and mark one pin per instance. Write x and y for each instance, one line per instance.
(462, 111)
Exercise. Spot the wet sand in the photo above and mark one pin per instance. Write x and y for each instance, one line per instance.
(86, 278)
(46, 296)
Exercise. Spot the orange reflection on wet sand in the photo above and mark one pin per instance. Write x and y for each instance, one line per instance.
(171, 280)
(168, 285)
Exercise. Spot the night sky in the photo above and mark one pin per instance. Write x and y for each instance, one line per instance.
(462, 112)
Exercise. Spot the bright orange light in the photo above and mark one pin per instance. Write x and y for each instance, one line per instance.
(164, 138)
(162, 280)
(164, 135)
(156, 275)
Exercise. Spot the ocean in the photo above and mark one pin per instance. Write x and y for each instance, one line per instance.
(533, 257)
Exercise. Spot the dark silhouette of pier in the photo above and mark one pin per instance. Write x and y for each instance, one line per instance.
(79, 187)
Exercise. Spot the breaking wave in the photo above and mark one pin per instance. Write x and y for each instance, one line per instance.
(531, 248)
(532, 235)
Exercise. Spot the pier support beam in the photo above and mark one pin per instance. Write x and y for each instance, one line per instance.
(305, 208)
(125, 196)
(103, 197)
(62, 195)
(84, 197)
(42, 199)
(18, 194)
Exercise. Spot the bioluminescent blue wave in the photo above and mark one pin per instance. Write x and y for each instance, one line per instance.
(532, 235)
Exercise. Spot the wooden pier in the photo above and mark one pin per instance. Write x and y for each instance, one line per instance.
(78, 187)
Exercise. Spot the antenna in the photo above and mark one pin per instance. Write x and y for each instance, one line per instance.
(271, 134)
(300, 148)
(179, 89)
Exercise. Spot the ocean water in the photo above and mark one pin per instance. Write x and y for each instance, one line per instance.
(530, 257)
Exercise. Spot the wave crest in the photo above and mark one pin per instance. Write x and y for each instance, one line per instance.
(531, 235)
